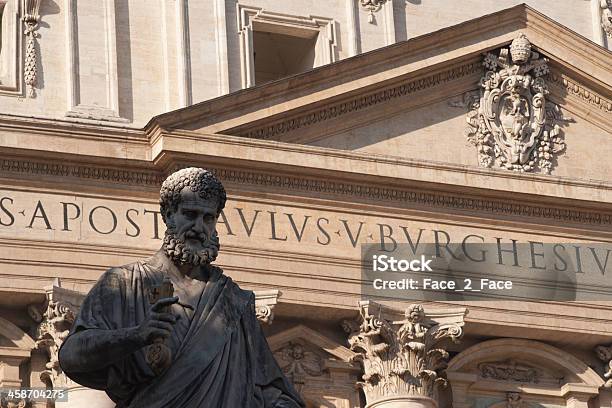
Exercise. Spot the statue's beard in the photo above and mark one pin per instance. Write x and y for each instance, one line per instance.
(182, 254)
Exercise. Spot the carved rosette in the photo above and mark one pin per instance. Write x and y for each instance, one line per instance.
(606, 17)
(511, 123)
(51, 333)
(371, 6)
(605, 354)
(401, 358)
(31, 20)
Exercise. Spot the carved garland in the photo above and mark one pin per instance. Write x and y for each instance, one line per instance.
(31, 20)
(512, 124)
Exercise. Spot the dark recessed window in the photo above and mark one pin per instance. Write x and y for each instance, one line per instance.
(280, 55)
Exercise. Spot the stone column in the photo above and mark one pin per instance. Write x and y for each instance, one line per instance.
(53, 328)
(403, 361)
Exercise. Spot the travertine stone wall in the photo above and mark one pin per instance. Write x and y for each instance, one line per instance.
(123, 62)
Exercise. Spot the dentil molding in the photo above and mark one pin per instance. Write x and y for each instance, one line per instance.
(380, 193)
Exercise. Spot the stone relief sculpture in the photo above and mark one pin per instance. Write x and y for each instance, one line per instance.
(31, 20)
(511, 122)
(297, 363)
(509, 370)
(401, 360)
(217, 353)
(606, 17)
(605, 354)
(371, 6)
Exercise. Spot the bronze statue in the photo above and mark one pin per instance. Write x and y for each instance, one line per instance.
(199, 343)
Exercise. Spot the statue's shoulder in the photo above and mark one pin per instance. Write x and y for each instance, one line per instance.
(114, 276)
(244, 295)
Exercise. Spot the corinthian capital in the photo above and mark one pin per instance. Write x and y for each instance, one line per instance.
(61, 309)
(405, 358)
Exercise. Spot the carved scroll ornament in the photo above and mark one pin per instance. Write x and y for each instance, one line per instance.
(512, 124)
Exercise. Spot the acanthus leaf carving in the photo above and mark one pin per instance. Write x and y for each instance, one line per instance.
(52, 331)
(403, 358)
(512, 124)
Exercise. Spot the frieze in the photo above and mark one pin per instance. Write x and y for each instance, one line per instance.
(303, 184)
(381, 193)
(363, 102)
(152, 178)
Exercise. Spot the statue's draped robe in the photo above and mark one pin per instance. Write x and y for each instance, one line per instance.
(220, 357)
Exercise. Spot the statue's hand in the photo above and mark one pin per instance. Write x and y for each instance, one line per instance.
(159, 323)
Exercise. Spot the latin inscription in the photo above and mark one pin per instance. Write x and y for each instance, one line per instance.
(30, 216)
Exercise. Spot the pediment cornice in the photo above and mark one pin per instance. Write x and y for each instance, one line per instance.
(439, 63)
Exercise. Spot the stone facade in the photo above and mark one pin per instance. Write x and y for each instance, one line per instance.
(395, 146)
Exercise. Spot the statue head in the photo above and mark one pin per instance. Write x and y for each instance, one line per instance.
(190, 201)
(415, 313)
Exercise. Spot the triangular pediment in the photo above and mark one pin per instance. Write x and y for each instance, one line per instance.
(424, 59)
(412, 99)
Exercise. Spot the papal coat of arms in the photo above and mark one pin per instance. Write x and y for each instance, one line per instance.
(512, 124)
